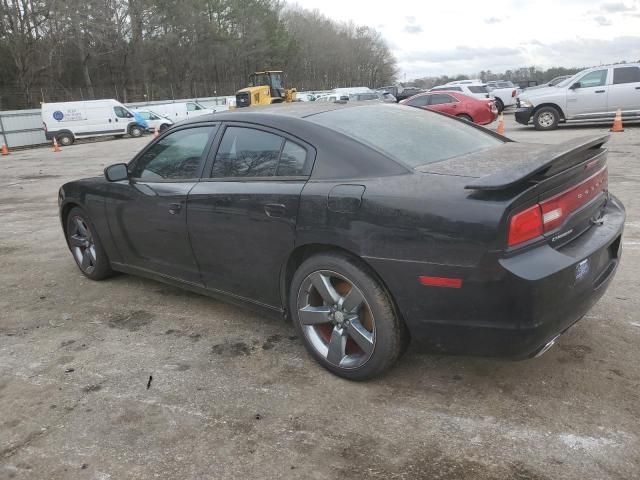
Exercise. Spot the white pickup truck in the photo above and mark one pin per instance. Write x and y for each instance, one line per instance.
(505, 93)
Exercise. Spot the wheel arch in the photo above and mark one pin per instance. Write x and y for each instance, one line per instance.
(64, 213)
(302, 252)
(549, 104)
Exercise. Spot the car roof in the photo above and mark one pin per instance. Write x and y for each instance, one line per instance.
(295, 110)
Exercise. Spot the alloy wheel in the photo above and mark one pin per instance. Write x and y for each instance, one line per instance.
(336, 319)
(82, 245)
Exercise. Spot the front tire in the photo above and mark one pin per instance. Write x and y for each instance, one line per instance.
(345, 317)
(65, 139)
(546, 118)
(85, 246)
(135, 131)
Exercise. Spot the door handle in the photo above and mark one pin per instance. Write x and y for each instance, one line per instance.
(600, 91)
(637, 88)
(174, 208)
(109, 120)
(275, 210)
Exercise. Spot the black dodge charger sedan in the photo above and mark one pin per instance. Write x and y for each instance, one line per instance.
(366, 225)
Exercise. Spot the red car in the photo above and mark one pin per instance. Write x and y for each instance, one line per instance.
(472, 109)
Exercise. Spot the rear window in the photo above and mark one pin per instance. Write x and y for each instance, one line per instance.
(411, 136)
(478, 89)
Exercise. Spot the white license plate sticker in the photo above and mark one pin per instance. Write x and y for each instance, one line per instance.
(582, 269)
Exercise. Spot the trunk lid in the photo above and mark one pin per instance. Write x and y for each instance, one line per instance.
(568, 182)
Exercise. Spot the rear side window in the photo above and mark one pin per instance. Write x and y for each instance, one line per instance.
(478, 89)
(440, 98)
(292, 160)
(246, 152)
(411, 136)
(626, 75)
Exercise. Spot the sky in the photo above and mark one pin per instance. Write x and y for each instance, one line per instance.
(431, 38)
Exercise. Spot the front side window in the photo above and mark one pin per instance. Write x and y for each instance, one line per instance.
(192, 107)
(246, 152)
(626, 75)
(176, 156)
(420, 101)
(122, 112)
(145, 115)
(594, 79)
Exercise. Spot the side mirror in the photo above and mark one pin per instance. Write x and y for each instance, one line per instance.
(117, 172)
(574, 86)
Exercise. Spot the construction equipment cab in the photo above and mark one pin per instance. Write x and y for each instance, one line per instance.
(264, 88)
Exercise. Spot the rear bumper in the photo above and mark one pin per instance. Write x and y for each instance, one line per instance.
(523, 115)
(508, 307)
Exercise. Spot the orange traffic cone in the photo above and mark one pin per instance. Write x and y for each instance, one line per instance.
(500, 127)
(56, 147)
(156, 133)
(5, 150)
(617, 122)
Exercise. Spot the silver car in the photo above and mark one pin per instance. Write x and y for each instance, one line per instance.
(593, 95)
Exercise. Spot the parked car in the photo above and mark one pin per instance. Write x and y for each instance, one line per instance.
(476, 90)
(182, 110)
(364, 224)
(67, 121)
(552, 83)
(154, 120)
(453, 103)
(399, 92)
(594, 94)
(504, 93)
(385, 97)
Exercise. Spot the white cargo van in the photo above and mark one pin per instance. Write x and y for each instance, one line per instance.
(67, 121)
(180, 110)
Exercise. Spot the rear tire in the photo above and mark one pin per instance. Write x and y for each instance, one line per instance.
(135, 131)
(163, 127)
(86, 247)
(464, 116)
(546, 118)
(499, 105)
(345, 317)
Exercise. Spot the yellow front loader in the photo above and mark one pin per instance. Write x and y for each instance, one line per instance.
(264, 88)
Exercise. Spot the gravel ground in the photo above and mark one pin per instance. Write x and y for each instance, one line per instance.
(234, 394)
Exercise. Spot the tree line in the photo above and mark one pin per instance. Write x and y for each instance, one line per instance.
(136, 50)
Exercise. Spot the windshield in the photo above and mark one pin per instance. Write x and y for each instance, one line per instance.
(409, 135)
(570, 80)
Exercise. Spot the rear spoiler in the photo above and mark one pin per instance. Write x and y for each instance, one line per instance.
(555, 157)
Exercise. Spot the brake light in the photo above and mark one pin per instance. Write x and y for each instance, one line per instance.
(525, 225)
(549, 214)
(513, 93)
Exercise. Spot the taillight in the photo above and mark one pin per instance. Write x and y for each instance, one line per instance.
(513, 94)
(556, 209)
(525, 225)
(549, 214)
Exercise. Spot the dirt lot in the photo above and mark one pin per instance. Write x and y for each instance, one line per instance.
(234, 395)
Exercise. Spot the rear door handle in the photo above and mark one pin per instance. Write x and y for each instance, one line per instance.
(275, 209)
(174, 208)
(637, 88)
(600, 91)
